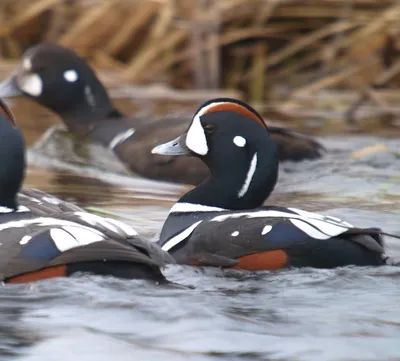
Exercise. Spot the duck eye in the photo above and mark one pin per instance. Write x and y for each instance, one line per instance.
(209, 128)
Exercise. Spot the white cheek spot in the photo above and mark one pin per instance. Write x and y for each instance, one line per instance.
(239, 141)
(235, 234)
(27, 64)
(266, 229)
(31, 84)
(25, 240)
(196, 139)
(71, 75)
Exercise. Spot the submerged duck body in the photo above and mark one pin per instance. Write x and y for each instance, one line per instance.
(44, 237)
(60, 80)
(223, 223)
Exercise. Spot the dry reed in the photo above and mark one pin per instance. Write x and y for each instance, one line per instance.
(288, 57)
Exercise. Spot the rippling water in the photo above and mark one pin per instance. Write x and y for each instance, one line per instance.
(342, 314)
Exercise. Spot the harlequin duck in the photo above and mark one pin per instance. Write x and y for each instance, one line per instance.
(222, 221)
(60, 80)
(44, 237)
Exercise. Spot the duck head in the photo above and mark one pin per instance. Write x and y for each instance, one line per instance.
(60, 80)
(12, 155)
(231, 138)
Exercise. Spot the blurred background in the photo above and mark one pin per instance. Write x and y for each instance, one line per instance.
(330, 68)
(321, 66)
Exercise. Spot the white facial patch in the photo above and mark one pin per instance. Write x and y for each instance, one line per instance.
(31, 84)
(235, 234)
(249, 176)
(196, 139)
(239, 141)
(71, 76)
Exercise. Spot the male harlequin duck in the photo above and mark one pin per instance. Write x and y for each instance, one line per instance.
(222, 221)
(44, 237)
(60, 80)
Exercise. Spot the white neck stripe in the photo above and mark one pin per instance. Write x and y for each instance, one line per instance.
(120, 138)
(249, 176)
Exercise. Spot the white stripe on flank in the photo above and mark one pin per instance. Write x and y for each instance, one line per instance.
(249, 176)
(180, 237)
(191, 207)
(120, 138)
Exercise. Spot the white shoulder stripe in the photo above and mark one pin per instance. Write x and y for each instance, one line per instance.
(180, 237)
(191, 207)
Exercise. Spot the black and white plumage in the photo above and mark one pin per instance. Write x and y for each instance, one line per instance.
(223, 221)
(57, 78)
(42, 236)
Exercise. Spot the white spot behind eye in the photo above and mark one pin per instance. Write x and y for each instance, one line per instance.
(27, 64)
(239, 141)
(71, 75)
(235, 234)
(31, 84)
(196, 139)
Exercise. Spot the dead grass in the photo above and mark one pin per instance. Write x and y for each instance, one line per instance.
(288, 57)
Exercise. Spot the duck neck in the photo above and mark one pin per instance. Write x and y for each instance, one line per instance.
(13, 166)
(245, 188)
(94, 107)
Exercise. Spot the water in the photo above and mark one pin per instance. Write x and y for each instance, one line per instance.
(342, 314)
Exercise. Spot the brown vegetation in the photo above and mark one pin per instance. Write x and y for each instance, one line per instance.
(320, 61)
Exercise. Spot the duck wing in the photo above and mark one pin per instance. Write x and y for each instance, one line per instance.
(279, 237)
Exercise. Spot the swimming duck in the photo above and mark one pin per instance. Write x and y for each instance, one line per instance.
(42, 236)
(222, 222)
(60, 80)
